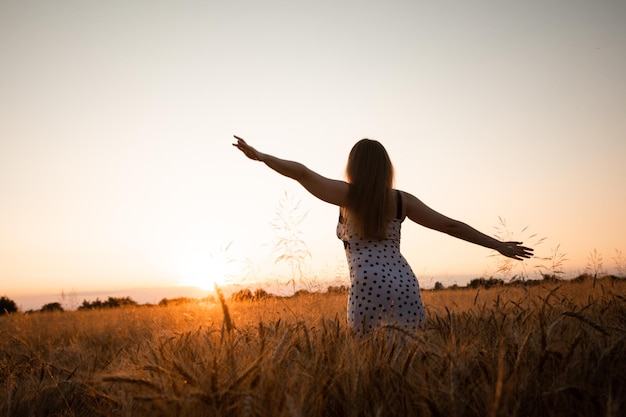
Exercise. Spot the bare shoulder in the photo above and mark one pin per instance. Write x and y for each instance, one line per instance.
(326, 189)
(420, 213)
(408, 199)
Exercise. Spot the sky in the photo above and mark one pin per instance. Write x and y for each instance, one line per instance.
(116, 124)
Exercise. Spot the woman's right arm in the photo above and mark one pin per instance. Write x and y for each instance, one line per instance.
(326, 189)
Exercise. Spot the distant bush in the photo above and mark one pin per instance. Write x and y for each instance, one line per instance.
(550, 277)
(260, 294)
(485, 283)
(185, 300)
(7, 306)
(530, 282)
(247, 295)
(51, 307)
(342, 289)
(242, 295)
(177, 301)
(582, 278)
(111, 302)
(438, 286)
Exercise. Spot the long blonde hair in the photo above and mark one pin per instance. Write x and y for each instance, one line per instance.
(370, 174)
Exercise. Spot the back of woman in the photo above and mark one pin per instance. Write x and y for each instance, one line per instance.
(383, 288)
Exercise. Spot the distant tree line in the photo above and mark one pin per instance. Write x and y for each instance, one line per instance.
(111, 302)
(496, 282)
(261, 294)
(8, 306)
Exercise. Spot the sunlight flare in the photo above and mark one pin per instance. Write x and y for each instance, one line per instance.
(205, 271)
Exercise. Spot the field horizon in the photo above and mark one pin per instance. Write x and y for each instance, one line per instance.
(280, 287)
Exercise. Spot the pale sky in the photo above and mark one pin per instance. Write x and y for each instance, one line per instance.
(116, 123)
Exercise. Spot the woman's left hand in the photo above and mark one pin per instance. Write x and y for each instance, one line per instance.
(248, 150)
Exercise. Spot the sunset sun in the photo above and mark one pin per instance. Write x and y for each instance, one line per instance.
(207, 271)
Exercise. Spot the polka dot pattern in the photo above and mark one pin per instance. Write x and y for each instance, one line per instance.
(383, 289)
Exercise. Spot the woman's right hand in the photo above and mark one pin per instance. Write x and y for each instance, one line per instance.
(515, 250)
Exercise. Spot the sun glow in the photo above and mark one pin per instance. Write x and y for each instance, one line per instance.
(206, 271)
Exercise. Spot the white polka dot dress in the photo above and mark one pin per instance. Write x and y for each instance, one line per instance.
(384, 290)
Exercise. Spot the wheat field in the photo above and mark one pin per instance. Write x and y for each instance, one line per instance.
(555, 349)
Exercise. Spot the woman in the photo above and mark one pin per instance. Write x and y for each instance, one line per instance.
(384, 290)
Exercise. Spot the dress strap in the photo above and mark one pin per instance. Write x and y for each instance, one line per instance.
(342, 222)
(398, 205)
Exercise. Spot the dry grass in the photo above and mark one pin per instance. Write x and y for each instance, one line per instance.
(554, 349)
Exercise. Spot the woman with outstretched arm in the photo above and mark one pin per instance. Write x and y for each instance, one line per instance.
(383, 288)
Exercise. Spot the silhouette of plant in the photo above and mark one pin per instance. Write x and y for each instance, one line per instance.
(507, 267)
(288, 242)
(595, 264)
(68, 301)
(620, 263)
(554, 269)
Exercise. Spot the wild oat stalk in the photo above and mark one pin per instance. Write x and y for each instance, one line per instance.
(595, 264)
(507, 266)
(557, 259)
(228, 323)
(288, 243)
(620, 263)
